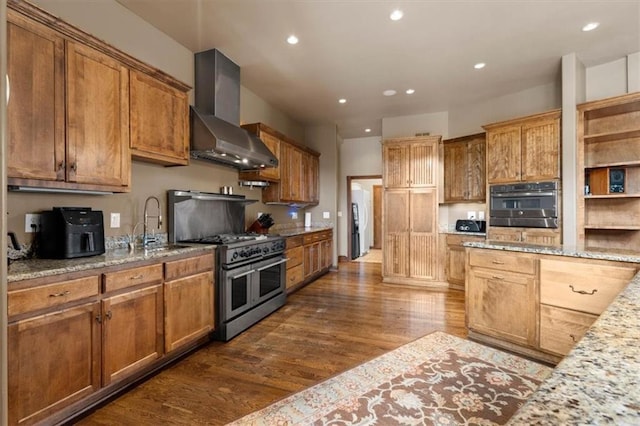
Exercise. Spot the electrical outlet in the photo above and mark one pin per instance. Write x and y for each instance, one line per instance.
(481, 215)
(326, 215)
(294, 215)
(31, 222)
(115, 220)
(339, 213)
(471, 215)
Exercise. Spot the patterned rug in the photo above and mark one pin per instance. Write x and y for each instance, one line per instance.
(438, 379)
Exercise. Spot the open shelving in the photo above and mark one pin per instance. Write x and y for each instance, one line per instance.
(608, 146)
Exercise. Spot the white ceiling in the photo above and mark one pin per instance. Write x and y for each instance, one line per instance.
(351, 49)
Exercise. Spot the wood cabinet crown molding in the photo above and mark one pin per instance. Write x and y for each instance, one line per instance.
(76, 34)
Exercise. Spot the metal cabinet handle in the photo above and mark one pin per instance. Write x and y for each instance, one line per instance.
(136, 277)
(99, 319)
(61, 294)
(74, 167)
(582, 291)
(497, 277)
(108, 314)
(573, 338)
(497, 262)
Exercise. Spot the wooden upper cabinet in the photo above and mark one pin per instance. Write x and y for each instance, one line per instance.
(159, 121)
(310, 170)
(410, 162)
(271, 139)
(464, 169)
(97, 118)
(35, 112)
(524, 149)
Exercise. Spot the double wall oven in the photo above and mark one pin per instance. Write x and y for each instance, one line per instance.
(250, 276)
(527, 205)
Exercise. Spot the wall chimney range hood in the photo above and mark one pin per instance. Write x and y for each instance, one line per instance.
(215, 132)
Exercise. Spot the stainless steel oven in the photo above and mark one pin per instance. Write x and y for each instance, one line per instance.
(527, 205)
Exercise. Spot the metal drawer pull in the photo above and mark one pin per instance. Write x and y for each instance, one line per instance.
(136, 277)
(497, 262)
(108, 315)
(497, 277)
(582, 291)
(64, 293)
(573, 338)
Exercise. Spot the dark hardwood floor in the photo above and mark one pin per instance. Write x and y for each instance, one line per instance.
(341, 320)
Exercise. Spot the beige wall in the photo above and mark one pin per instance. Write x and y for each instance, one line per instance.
(113, 23)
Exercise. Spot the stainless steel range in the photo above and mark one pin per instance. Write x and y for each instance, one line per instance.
(250, 267)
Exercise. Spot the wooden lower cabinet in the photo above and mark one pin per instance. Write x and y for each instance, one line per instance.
(537, 236)
(53, 361)
(501, 295)
(456, 259)
(538, 305)
(310, 255)
(189, 300)
(75, 339)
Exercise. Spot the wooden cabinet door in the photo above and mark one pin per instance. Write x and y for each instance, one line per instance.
(312, 256)
(189, 309)
(97, 118)
(395, 166)
(396, 227)
(504, 154)
(476, 170)
(159, 120)
(455, 177)
(53, 361)
(310, 174)
(327, 254)
(455, 267)
(504, 234)
(290, 173)
(273, 143)
(545, 237)
(35, 112)
(541, 150)
(502, 304)
(423, 253)
(423, 164)
(132, 332)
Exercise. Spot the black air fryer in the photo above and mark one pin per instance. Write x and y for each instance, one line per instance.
(68, 232)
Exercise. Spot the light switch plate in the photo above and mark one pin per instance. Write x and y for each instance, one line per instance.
(115, 220)
(326, 215)
(481, 215)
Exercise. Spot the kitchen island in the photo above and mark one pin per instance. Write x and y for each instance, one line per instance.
(598, 381)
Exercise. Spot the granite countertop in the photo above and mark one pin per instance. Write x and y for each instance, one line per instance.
(617, 255)
(292, 232)
(35, 268)
(598, 382)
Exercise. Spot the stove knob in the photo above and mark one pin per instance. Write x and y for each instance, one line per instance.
(265, 250)
(234, 256)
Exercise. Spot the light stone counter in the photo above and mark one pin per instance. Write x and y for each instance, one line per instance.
(292, 232)
(598, 382)
(35, 268)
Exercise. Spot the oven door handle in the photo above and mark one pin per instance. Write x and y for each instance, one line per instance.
(523, 194)
(235, 277)
(273, 264)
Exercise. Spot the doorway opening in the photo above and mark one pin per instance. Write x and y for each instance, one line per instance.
(364, 202)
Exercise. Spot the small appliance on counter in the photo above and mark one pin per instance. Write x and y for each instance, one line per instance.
(69, 232)
(469, 225)
(262, 224)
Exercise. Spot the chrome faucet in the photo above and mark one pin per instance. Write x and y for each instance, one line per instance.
(146, 239)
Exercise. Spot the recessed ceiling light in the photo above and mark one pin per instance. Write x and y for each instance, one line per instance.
(396, 15)
(389, 92)
(410, 91)
(367, 130)
(480, 65)
(591, 26)
(292, 39)
(342, 101)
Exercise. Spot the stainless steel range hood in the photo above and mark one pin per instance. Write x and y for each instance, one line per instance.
(215, 132)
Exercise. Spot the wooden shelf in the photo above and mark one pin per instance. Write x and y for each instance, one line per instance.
(614, 164)
(612, 136)
(613, 227)
(610, 196)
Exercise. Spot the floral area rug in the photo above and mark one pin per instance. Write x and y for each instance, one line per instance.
(438, 379)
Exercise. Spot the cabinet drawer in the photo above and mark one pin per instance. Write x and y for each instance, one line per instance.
(295, 276)
(295, 257)
(22, 301)
(458, 240)
(581, 286)
(561, 329)
(317, 236)
(294, 242)
(191, 266)
(131, 277)
(510, 261)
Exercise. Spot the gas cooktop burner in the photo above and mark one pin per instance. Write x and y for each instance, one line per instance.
(227, 238)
